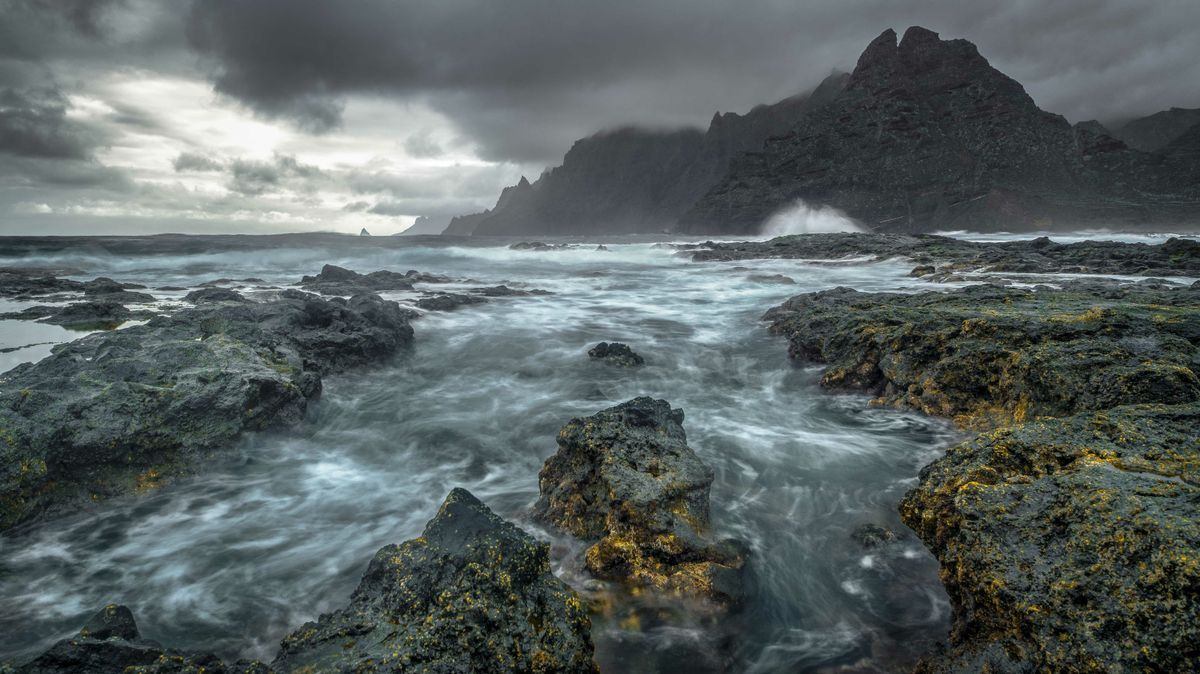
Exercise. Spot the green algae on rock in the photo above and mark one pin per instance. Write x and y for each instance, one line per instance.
(117, 412)
(626, 478)
(1069, 533)
(473, 593)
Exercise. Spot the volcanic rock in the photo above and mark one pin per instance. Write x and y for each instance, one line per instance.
(615, 353)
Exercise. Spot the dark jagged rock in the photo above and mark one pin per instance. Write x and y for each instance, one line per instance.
(22, 283)
(97, 315)
(626, 479)
(108, 290)
(472, 594)
(1067, 533)
(927, 135)
(505, 291)
(615, 353)
(636, 180)
(334, 280)
(873, 536)
(1175, 257)
(1070, 544)
(448, 301)
(207, 295)
(540, 246)
(986, 355)
(110, 644)
(120, 411)
(1155, 132)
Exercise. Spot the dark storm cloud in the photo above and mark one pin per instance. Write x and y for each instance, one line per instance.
(525, 77)
(33, 123)
(251, 178)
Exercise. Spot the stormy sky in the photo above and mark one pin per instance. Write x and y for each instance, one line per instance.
(132, 116)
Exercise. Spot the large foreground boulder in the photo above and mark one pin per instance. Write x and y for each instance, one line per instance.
(626, 479)
(1067, 532)
(120, 411)
(110, 644)
(1070, 545)
(473, 593)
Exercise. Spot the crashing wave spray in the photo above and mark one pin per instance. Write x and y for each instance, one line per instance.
(800, 218)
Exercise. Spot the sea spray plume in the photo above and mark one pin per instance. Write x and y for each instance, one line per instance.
(800, 218)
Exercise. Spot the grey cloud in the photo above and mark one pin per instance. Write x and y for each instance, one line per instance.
(422, 145)
(252, 178)
(190, 161)
(524, 78)
(33, 123)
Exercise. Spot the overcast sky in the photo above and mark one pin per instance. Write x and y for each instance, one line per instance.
(131, 116)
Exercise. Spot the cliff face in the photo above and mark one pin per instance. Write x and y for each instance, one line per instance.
(1154, 132)
(636, 180)
(927, 135)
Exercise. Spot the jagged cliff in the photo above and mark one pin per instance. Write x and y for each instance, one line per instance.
(928, 135)
(637, 180)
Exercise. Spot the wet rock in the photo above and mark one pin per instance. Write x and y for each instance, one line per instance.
(505, 291)
(626, 479)
(110, 644)
(1175, 257)
(334, 280)
(108, 290)
(1069, 544)
(922, 270)
(448, 302)
(873, 536)
(988, 355)
(473, 593)
(31, 283)
(230, 281)
(539, 246)
(119, 412)
(615, 353)
(772, 278)
(208, 295)
(1067, 532)
(90, 316)
(601, 247)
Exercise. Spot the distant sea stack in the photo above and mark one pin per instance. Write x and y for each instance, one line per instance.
(927, 135)
(924, 135)
(635, 180)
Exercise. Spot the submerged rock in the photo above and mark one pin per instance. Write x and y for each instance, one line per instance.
(120, 411)
(473, 593)
(110, 644)
(505, 291)
(626, 479)
(615, 353)
(1067, 533)
(539, 246)
(448, 301)
(772, 278)
(873, 536)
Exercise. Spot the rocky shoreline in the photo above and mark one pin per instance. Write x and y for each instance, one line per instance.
(1068, 530)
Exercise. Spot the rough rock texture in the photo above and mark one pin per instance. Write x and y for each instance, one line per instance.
(626, 478)
(927, 135)
(214, 295)
(1175, 257)
(986, 355)
(119, 411)
(1070, 545)
(448, 301)
(615, 353)
(334, 280)
(110, 644)
(1068, 531)
(108, 290)
(636, 180)
(23, 283)
(1155, 132)
(99, 315)
(473, 593)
